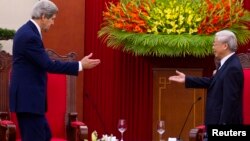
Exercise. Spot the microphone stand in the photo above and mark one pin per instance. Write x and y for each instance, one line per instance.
(179, 137)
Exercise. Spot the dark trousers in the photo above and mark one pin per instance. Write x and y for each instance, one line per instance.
(33, 127)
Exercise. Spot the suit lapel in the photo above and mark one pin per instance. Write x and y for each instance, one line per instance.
(221, 70)
(215, 77)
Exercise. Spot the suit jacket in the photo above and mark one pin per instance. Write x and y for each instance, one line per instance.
(224, 93)
(28, 83)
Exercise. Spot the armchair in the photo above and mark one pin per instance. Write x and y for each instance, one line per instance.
(197, 133)
(245, 62)
(7, 127)
(61, 114)
(61, 92)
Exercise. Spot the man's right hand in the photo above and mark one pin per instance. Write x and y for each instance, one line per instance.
(180, 77)
(88, 63)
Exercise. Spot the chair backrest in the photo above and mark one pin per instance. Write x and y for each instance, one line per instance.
(245, 62)
(5, 66)
(61, 94)
(70, 79)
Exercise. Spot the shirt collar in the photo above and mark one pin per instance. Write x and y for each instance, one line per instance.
(37, 26)
(223, 60)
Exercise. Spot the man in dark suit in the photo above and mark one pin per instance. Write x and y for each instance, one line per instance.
(225, 87)
(29, 73)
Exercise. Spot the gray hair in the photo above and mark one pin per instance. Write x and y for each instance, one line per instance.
(228, 37)
(43, 7)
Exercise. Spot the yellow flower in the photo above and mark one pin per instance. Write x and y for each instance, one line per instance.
(175, 17)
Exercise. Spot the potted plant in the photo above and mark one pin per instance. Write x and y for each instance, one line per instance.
(6, 34)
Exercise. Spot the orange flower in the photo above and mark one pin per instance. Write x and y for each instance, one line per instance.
(106, 14)
(241, 13)
(210, 7)
(227, 6)
(116, 10)
(137, 29)
(129, 19)
(218, 6)
(118, 25)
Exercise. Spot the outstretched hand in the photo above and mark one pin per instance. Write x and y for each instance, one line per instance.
(89, 63)
(180, 77)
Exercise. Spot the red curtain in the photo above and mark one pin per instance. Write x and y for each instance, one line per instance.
(121, 86)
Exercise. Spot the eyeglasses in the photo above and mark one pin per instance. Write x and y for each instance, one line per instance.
(218, 44)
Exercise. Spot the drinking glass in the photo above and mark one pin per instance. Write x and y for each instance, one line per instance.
(122, 127)
(161, 128)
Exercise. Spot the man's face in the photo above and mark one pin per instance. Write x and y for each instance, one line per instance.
(46, 23)
(219, 49)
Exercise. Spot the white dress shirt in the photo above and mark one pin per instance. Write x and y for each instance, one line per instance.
(223, 60)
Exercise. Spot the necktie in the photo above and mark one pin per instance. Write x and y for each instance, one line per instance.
(218, 66)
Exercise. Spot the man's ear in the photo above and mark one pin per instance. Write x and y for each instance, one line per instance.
(43, 17)
(225, 46)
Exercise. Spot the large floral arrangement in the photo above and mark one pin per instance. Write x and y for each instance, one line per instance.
(172, 27)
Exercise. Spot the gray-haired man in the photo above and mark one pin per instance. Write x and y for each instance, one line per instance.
(28, 76)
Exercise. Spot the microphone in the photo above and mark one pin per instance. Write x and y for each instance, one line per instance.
(179, 137)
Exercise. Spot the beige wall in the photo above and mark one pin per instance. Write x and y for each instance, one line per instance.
(14, 13)
(67, 35)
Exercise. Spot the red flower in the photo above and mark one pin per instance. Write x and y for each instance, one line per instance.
(221, 14)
